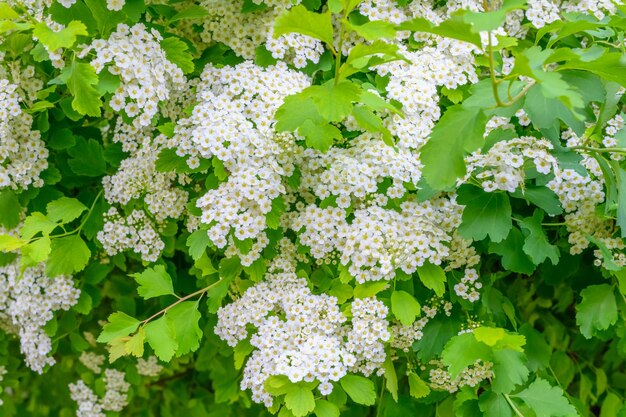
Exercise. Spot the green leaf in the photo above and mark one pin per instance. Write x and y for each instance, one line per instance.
(485, 214)
(325, 408)
(544, 112)
(10, 243)
(334, 101)
(417, 387)
(319, 136)
(277, 384)
(405, 307)
(241, 352)
(361, 55)
(597, 310)
(6, 12)
(542, 197)
(37, 251)
(433, 277)
(65, 209)
(300, 20)
(299, 399)
(369, 288)
(87, 158)
(36, 223)
(509, 370)
(198, 242)
(611, 406)
(462, 351)
(272, 219)
(360, 389)
(63, 38)
(443, 155)
(161, 336)
(176, 52)
(154, 282)
(68, 254)
(374, 30)
(218, 292)
(499, 338)
(494, 405)
(455, 27)
(185, 317)
(437, 332)
(134, 345)
(192, 12)
(10, 209)
(169, 161)
(536, 245)
(546, 400)
(513, 259)
(537, 350)
(296, 110)
(391, 379)
(230, 268)
(491, 20)
(371, 122)
(611, 66)
(119, 325)
(81, 79)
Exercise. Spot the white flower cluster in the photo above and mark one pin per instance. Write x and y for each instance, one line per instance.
(137, 178)
(386, 10)
(87, 401)
(148, 367)
(23, 155)
(244, 32)
(403, 336)
(135, 232)
(146, 75)
(378, 241)
(543, 12)
(471, 376)
(35, 8)
(414, 84)
(357, 171)
(234, 124)
(580, 195)
(469, 286)
(92, 361)
(115, 5)
(116, 387)
(504, 165)
(115, 396)
(615, 135)
(302, 335)
(28, 301)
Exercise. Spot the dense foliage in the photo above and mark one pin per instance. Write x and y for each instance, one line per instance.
(297, 207)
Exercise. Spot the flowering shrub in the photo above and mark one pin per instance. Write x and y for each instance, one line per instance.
(312, 207)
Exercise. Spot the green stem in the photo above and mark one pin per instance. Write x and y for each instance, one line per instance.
(339, 47)
(518, 413)
(180, 300)
(495, 81)
(93, 205)
(379, 408)
(492, 71)
(80, 226)
(598, 150)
